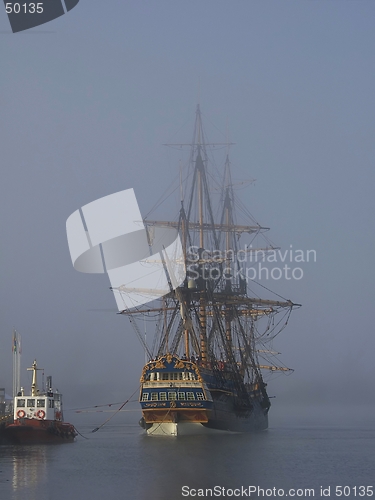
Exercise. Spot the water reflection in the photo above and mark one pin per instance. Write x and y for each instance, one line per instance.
(29, 467)
(202, 462)
(120, 462)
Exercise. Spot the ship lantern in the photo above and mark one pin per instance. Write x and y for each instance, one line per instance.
(192, 285)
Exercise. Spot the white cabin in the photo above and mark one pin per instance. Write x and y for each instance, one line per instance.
(40, 406)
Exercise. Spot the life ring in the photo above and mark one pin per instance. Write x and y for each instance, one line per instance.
(40, 414)
(21, 414)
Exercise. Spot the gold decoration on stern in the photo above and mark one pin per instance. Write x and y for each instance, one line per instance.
(145, 368)
(159, 365)
(179, 364)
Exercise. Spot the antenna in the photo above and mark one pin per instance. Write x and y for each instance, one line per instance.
(16, 349)
(34, 385)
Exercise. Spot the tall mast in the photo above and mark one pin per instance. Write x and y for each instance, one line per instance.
(16, 349)
(184, 248)
(202, 300)
(211, 312)
(200, 167)
(228, 221)
(34, 384)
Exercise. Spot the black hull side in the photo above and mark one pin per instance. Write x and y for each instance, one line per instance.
(211, 400)
(225, 417)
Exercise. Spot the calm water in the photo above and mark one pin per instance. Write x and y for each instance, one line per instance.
(119, 462)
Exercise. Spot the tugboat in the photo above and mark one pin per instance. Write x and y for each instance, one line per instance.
(37, 418)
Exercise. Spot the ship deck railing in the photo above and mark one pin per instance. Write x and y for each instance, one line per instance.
(172, 383)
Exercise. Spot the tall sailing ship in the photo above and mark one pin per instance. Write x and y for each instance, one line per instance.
(213, 332)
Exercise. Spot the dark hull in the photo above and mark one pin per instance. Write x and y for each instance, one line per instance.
(37, 432)
(224, 417)
(178, 395)
(221, 414)
(221, 418)
(232, 410)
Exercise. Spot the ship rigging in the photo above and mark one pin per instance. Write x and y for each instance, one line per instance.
(213, 333)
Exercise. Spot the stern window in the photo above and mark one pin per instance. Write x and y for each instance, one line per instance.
(190, 395)
(20, 403)
(145, 396)
(40, 403)
(31, 403)
(181, 395)
(163, 396)
(172, 396)
(200, 395)
(51, 403)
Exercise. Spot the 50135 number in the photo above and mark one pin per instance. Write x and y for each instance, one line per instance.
(31, 8)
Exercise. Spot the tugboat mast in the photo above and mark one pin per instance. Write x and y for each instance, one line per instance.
(34, 384)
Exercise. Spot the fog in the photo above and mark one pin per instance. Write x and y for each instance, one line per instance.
(87, 103)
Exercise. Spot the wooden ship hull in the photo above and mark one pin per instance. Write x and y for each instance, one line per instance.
(178, 397)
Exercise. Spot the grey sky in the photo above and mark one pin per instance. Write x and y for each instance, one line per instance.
(87, 102)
